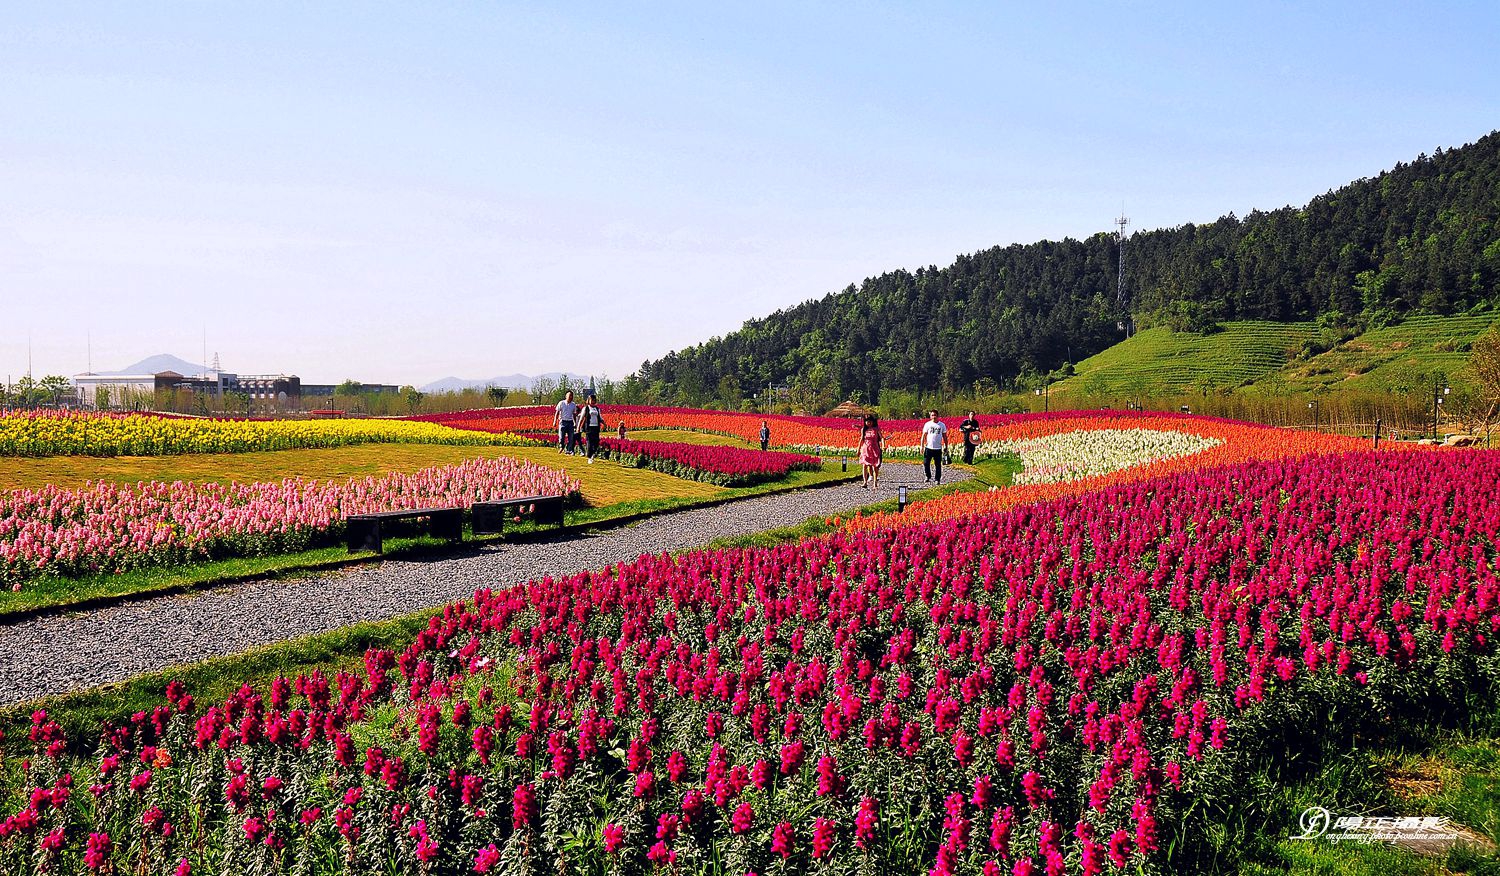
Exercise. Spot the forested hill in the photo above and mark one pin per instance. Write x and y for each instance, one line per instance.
(1423, 237)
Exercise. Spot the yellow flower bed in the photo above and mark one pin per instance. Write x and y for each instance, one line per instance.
(39, 434)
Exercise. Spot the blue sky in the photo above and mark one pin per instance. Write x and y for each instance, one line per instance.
(400, 192)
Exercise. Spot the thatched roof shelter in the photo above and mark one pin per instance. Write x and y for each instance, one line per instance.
(847, 409)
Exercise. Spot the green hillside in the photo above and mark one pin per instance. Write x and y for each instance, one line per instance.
(1273, 357)
(1395, 358)
(1159, 360)
(1422, 238)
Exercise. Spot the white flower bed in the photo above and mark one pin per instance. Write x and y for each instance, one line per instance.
(1066, 456)
(1069, 456)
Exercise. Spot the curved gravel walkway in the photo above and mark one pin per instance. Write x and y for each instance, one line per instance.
(63, 653)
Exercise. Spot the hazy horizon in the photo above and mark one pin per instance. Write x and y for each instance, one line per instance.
(398, 195)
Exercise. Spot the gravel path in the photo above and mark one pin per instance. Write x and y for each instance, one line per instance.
(70, 652)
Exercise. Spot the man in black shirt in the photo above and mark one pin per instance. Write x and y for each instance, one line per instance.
(590, 421)
(969, 427)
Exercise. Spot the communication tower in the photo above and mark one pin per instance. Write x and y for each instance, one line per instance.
(1122, 306)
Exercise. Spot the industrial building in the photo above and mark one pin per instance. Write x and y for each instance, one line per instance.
(140, 391)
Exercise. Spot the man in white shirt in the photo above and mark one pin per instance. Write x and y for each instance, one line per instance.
(934, 441)
(563, 422)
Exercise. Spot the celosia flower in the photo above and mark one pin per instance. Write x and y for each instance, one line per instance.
(614, 837)
(96, 853)
(782, 838)
(523, 804)
(743, 818)
(487, 858)
(865, 822)
(644, 783)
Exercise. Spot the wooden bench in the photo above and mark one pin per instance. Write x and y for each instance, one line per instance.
(366, 532)
(489, 517)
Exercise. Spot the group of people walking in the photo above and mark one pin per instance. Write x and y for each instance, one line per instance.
(578, 426)
(934, 446)
(935, 443)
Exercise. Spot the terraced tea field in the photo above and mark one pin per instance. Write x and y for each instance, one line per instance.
(1396, 358)
(1159, 360)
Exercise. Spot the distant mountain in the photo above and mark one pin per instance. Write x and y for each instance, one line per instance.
(509, 381)
(159, 363)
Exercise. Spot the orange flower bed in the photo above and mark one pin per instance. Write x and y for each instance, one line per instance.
(1241, 442)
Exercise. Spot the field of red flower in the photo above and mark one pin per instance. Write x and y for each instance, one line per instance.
(831, 435)
(1045, 689)
(1237, 443)
(803, 433)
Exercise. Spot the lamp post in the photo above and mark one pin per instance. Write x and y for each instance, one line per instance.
(1313, 406)
(1046, 393)
(1437, 400)
(901, 499)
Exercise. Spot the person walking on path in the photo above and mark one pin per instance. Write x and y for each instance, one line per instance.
(934, 442)
(970, 428)
(590, 421)
(871, 451)
(563, 421)
(765, 435)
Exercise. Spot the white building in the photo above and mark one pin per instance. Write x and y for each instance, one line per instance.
(123, 390)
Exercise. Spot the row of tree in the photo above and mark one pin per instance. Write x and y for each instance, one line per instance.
(351, 396)
(1423, 237)
(29, 392)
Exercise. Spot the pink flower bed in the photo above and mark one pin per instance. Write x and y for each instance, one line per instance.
(106, 527)
(726, 466)
(723, 465)
(1050, 689)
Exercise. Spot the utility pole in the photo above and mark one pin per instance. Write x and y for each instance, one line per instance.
(1437, 400)
(1046, 393)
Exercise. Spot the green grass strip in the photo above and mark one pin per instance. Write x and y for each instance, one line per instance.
(81, 713)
